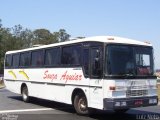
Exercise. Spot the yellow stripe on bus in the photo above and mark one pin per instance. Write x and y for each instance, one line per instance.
(24, 74)
(12, 74)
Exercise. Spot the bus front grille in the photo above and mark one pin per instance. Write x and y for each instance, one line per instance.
(134, 93)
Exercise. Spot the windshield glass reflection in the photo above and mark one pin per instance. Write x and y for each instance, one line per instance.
(129, 60)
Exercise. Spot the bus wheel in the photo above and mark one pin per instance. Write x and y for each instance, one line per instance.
(80, 104)
(25, 96)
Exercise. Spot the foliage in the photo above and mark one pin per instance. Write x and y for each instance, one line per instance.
(18, 37)
(63, 36)
(43, 36)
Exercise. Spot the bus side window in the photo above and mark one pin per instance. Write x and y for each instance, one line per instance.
(71, 55)
(8, 61)
(25, 59)
(86, 62)
(66, 55)
(96, 69)
(52, 56)
(37, 58)
(15, 61)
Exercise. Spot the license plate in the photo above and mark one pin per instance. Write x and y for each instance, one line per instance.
(138, 102)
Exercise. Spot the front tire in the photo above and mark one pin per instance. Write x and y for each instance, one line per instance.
(80, 104)
(25, 95)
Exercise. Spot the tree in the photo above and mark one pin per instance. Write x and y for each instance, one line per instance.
(43, 36)
(4, 36)
(63, 35)
(27, 37)
(9, 40)
(0, 23)
(18, 38)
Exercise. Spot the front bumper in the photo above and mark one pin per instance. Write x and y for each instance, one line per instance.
(126, 103)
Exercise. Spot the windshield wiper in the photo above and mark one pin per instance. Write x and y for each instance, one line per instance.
(128, 75)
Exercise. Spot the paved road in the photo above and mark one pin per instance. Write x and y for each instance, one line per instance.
(13, 108)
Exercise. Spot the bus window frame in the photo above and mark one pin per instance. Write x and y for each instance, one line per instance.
(100, 47)
(59, 57)
(15, 67)
(8, 67)
(71, 65)
(36, 66)
(83, 68)
(105, 69)
(28, 66)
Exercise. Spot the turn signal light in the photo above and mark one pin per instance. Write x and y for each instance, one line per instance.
(112, 88)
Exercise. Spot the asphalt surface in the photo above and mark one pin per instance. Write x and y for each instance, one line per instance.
(13, 108)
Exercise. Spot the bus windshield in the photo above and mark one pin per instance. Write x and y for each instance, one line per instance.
(128, 60)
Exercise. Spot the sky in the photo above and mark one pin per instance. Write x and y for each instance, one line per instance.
(135, 19)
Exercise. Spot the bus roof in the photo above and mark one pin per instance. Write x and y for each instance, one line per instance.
(104, 39)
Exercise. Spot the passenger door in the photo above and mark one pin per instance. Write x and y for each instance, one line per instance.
(96, 92)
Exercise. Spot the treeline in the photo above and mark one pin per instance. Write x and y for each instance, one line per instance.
(18, 37)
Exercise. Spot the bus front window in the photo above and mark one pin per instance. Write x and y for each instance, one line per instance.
(128, 60)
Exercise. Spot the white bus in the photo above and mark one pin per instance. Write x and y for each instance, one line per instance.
(104, 72)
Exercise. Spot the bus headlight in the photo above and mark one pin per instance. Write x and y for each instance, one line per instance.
(117, 104)
(152, 101)
(123, 104)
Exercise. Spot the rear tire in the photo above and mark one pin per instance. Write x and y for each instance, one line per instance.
(80, 104)
(25, 96)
